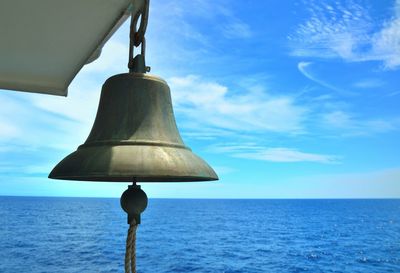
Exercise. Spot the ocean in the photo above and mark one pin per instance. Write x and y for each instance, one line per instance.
(60, 235)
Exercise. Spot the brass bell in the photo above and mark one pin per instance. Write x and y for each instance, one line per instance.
(134, 138)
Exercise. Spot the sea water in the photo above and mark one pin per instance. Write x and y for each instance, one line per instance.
(60, 235)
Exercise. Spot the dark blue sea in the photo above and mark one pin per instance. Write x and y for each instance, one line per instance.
(60, 235)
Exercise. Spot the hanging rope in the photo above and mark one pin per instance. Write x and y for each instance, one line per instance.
(130, 254)
(133, 202)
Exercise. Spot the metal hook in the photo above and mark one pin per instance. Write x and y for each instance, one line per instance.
(137, 36)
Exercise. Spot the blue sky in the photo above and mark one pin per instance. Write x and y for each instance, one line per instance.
(285, 99)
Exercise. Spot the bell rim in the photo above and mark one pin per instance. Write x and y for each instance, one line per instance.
(81, 165)
(124, 179)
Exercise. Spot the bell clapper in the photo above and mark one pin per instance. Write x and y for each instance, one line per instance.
(133, 202)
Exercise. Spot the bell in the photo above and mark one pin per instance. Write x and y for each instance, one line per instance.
(134, 138)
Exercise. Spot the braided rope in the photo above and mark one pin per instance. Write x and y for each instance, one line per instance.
(130, 253)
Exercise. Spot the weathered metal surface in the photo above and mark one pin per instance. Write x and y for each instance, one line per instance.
(134, 137)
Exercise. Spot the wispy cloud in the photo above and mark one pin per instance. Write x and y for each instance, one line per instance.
(28, 170)
(369, 83)
(216, 15)
(49, 122)
(348, 32)
(343, 122)
(209, 104)
(236, 29)
(114, 59)
(254, 151)
(8, 130)
(332, 30)
(304, 68)
(349, 125)
(190, 32)
(395, 93)
(222, 170)
(386, 42)
(208, 110)
(17, 118)
(378, 183)
(79, 107)
(287, 155)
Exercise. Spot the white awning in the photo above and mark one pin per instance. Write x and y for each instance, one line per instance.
(44, 43)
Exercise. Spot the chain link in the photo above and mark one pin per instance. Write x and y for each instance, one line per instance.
(136, 36)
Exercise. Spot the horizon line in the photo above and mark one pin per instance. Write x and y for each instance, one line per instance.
(220, 198)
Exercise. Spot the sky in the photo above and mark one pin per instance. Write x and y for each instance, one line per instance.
(284, 99)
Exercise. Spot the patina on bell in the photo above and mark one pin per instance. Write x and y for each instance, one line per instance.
(134, 138)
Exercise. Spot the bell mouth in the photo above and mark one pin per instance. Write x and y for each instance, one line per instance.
(125, 163)
(148, 179)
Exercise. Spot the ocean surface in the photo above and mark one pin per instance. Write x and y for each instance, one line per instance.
(60, 235)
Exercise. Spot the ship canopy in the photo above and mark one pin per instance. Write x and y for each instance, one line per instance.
(44, 43)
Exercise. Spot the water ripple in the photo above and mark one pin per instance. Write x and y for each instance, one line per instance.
(68, 235)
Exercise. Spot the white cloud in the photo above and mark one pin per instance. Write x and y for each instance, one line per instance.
(255, 151)
(304, 68)
(331, 31)
(51, 122)
(237, 29)
(369, 184)
(193, 131)
(216, 15)
(369, 83)
(188, 32)
(16, 117)
(80, 105)
(287, 155)
(350, 125)
(235, 147)
(386, 43)
(26, 170)
(395, 93)
(222, 170)
(209, 104)
(7, 130)
(383, 183)
(338, 119)
(349, 33)
(113, 58)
